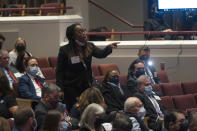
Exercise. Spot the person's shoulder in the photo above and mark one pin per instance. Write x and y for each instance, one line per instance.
(41, 107)
(12, 52)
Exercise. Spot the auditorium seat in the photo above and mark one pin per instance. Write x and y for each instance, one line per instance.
(99, 78)
(50, 11)
(184, 102)
(190, 110)
(157, 87)
(189, 87)
(49, 73)
(123, 80)
(43, 62)
(163, 77)
(53, 61)
(95, 70)
(14, 12)
(167, 102)
(171, 89)
(103, 68)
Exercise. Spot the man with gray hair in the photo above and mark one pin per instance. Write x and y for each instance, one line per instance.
(151, 101)
(8, 70)
(134, 109)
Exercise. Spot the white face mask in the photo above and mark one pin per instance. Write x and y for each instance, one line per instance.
(80, 43)
(141, 113)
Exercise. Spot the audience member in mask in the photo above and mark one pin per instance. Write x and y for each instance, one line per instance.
(50, 101)
(136, 69)
(74, 73)
(157, 23)
(175, 121)
(30, 84)
(134, 109)
(20, 46)
(113, 92)
(92, 118)
(152, 103)
(24, 120)
(2, 40)
(54, 121)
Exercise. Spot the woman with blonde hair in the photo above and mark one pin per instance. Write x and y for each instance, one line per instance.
(90, 95)
(92, 118)
(4, 125)
(19, 47)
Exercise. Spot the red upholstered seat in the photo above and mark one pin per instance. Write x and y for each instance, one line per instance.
(103, 68)
(190, 110)
(53, 61)
(167, 102)
(157, 87)
(189, 87)
(43, 62)
(49, 73)
(95, 70)
(184, 102)
(163, 77)
(99, 78)
(171, 89)
(123, 80)
(52, 11)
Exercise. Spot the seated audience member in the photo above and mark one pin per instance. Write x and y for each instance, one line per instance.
(30, 84)
(175, 121)
(4, 124)
(122, 123)
(90, 95)
(134, 109)
(112, 91)
(2, 40)
(135, 70)
(144, 55)
(92, 118)
(21, 64)
(54, 121)
(193, 121)
(50, 101)
(8, 103)
(8, 70)
(20, 46)
(24, 119)
(154, 109)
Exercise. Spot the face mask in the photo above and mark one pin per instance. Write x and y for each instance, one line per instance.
(98, 122)
(144, 58)
(148, 90)
(33, 70)
(80, 43)
(1, 44)
(115, 80)
(184, 126)
(63, 126)
(139, 72)
(20, 48)
(141, 113)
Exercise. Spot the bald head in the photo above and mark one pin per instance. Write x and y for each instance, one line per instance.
(132, 105)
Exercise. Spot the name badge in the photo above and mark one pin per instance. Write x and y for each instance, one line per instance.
(75, 59)
(157, 97)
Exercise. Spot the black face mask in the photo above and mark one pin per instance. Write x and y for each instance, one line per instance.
(20, 48)
(184, 126)
(98, 122)
(1, 44)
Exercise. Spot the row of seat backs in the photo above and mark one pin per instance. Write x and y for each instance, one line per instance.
(178, 88)
(186, 102)
(41, 12)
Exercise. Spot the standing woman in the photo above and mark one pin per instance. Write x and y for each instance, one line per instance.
(74, 73)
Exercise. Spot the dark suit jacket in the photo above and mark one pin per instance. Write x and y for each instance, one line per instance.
(26, 88)
(113, 98)
(74, 78)
(12, 69)
(150, 110)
